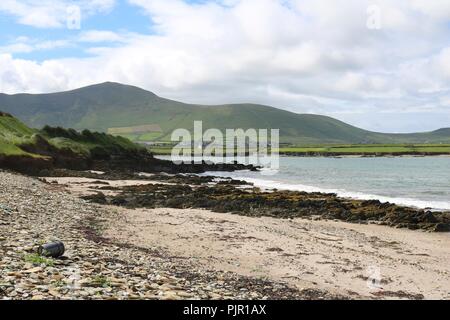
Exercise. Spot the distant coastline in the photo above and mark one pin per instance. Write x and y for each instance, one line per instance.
(167, 152)
(363, 155)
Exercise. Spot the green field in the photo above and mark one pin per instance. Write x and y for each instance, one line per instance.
(335, 150)
(161, 150)
(375, 149)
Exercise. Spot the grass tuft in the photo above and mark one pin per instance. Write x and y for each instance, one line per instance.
(36, 259)
(101, 281)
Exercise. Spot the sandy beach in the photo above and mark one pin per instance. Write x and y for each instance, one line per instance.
(333, 256)
(352, 260)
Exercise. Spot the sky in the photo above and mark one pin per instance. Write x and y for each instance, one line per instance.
(383, 65)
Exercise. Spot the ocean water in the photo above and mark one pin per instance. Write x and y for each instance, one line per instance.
(422, 182)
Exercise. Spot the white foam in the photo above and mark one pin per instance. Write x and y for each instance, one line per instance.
(270, 184)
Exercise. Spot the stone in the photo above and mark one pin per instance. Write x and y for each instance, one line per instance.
(34, 270)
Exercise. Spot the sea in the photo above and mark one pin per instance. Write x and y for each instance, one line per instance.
(420, 182)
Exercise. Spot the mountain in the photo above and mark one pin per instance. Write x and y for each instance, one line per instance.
(141, 115)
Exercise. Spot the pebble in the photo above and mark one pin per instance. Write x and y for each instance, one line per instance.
(33, 212)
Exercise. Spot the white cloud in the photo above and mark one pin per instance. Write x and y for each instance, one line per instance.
(27, 45)
(25, 76)
(435, 8)
(17, 48)
(303, 55)
(51, 13)
(443, 62)
(100, 36)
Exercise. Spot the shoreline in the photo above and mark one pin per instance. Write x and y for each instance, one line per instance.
(345, 155)
(229, 195)
(194, 253)
(271, 185)
(306, 255)
(363, 155)
(435, 205)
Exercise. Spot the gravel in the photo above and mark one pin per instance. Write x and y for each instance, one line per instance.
(93, 267)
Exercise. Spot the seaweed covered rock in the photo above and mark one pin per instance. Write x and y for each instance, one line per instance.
(228, 196)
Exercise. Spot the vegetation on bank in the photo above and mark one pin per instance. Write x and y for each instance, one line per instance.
(87, 142)
(13, 133)
(17, 139)
(30, 151)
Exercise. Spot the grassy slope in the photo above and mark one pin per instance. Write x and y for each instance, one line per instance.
(9, 149)
(87, 142)
(103, 106)
(14, 134)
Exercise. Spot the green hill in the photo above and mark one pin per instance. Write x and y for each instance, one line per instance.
(40, 152)
(13, 133)
(141, 115)
(18, 139)
(29, 150)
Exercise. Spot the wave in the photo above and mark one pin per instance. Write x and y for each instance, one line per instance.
(271, 184)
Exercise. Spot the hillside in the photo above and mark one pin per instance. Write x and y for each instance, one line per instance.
(17, 138)
(143, 116)
(26, 149)
(12, 133)
(38, 152)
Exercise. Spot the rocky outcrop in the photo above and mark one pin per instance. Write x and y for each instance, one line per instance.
(4, 114)
(227, 197)
(51, 158)
(145, 162)
(25, 164)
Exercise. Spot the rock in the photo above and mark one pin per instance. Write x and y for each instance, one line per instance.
(34, 270)
(214, 296)
(441, 227)
(15, 274)
(170, 295)
(184, 294)
(54, 293)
